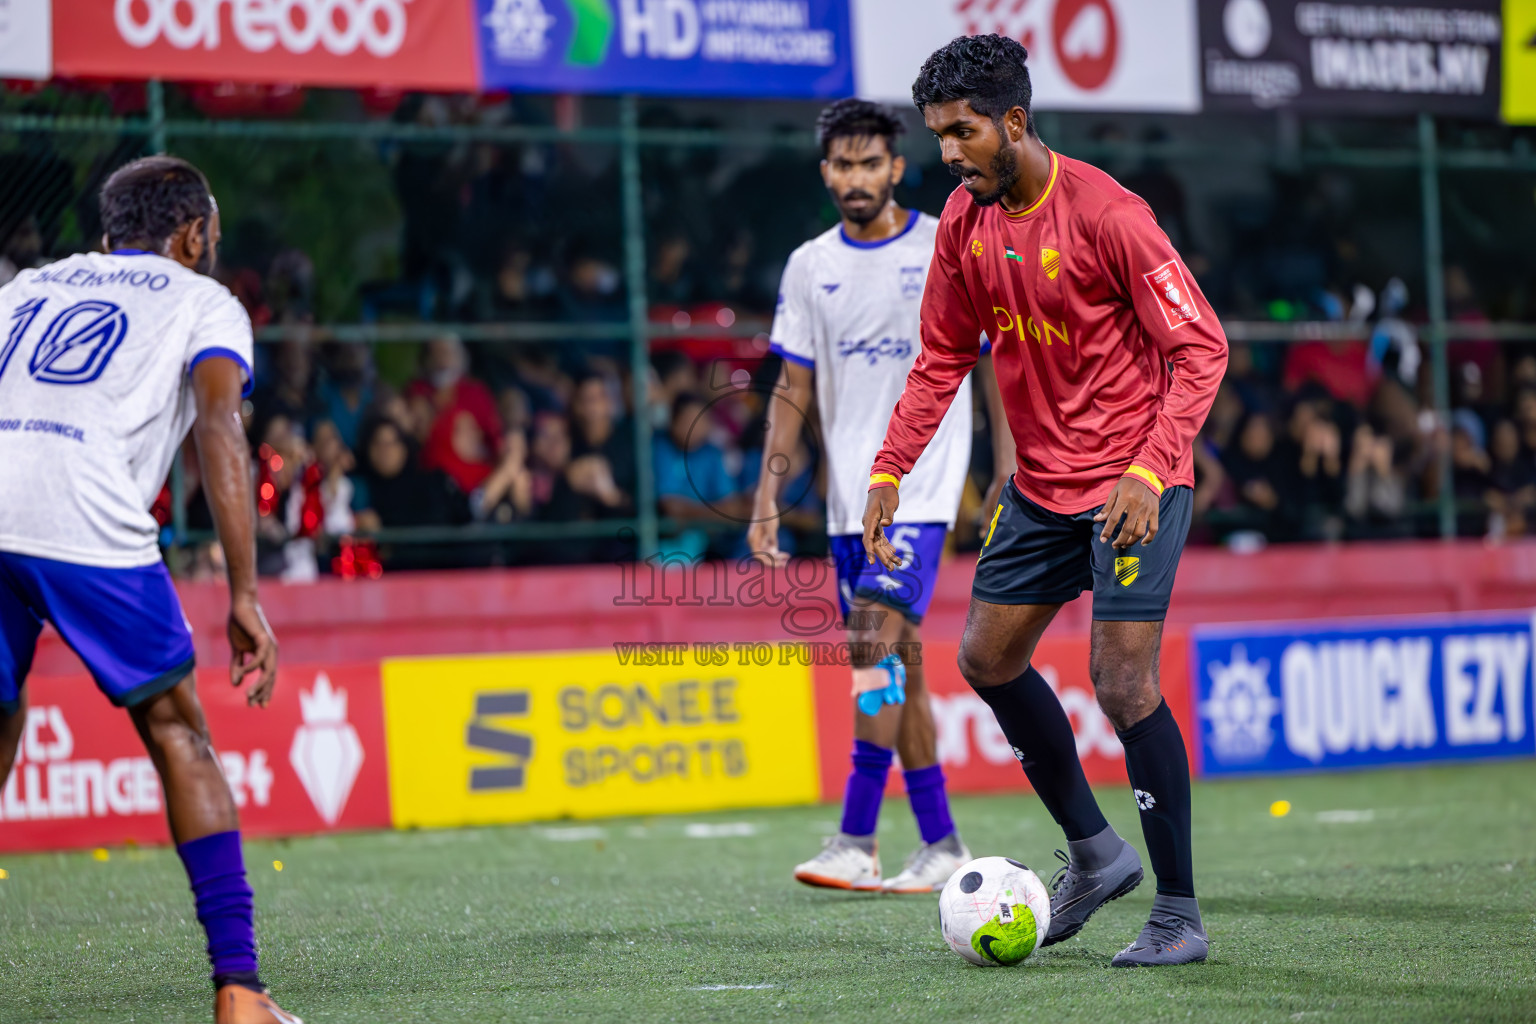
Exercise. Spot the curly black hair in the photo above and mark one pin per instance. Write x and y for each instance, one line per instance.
(147, 200)
(989, 72)
(858, 119)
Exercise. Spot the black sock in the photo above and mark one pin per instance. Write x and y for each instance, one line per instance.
(1041, 736)
(1159, 770)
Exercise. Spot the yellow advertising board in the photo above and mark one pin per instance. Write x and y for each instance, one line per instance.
(530, 737)
(1520, 61)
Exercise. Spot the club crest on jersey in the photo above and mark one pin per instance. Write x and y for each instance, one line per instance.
(1126, 570)
(912, 282)
(1050, 262)
(1009, 254)
(1173, 294)
(976, 247)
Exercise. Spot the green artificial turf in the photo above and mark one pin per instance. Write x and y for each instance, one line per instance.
(1414, 904)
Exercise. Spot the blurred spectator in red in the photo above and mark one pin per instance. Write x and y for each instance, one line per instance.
(463, 428)
(1342, 367)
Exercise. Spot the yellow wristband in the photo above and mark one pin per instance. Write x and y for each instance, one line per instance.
(884, 480)
(1146, 476)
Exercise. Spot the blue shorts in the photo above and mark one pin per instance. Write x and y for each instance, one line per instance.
(909, 589)
(125, 624)
(1035, 556)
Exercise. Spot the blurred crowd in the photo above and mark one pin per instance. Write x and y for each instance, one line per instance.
(498, 434)
(1331, 440)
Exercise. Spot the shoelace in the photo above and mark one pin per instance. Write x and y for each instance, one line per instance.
(1163, 932)
(1060, 877)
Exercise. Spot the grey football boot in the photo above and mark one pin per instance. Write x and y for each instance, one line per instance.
(1174, 934)
(1076, 893)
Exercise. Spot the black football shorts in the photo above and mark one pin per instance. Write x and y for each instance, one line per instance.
(1032, 555)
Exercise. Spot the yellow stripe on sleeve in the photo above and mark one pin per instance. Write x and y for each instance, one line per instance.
(1146, 476)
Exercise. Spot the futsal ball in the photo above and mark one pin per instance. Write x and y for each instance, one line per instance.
(994, 911)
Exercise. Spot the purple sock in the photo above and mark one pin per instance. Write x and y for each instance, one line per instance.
(866, 787)
(930, 804)
(216, 868)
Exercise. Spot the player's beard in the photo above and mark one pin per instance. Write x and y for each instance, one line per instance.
(882, 199)
(1005, 169)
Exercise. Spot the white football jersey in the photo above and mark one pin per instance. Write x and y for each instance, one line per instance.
(96, 397)
(851, 310)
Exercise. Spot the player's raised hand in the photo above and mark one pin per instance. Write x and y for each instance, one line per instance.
(1136, 503)
(253, 648)
(763, 537)
(880, 512)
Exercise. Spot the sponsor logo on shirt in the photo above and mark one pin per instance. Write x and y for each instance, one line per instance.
(830, 288)
(875, 350)
(1008, 320)
(976, 247)
(1173, 294)
(912, 282)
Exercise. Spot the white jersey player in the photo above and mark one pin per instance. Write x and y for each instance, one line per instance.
(847, 324)
(106, 361)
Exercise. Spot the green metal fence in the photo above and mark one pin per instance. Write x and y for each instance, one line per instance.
(110, 137)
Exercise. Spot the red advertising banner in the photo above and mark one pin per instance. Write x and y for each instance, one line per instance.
(973, 751)
(409, 44)
(313, 761)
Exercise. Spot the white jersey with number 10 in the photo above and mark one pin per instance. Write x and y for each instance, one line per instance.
(95, 398)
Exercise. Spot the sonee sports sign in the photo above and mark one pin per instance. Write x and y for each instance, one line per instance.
(1374, 692)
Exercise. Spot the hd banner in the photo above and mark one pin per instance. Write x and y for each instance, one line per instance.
(639, 729)
(1301, 697)
(773, 48)
(1083, 54)
(1397, 58)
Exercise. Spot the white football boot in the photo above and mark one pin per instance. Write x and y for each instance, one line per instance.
(930, 866)
(841, 864)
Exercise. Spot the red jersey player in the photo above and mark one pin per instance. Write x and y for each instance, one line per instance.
(1108, 358)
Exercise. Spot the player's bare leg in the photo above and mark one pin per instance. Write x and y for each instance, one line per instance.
(11, 726)
(1123, 664)
(204, 824)
(995, 653)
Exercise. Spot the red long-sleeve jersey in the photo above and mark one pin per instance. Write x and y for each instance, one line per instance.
(1107, 354)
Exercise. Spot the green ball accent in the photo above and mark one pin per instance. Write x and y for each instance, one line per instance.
(1009, 943)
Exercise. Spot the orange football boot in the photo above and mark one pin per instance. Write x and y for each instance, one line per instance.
(236, 1004)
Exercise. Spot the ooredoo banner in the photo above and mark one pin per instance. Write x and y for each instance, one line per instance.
(1304, 697)
(1402, 57)
(639, 729)
(973, 751)
(1083, 54)
(26, 47)
(675, 47)
(313, 761)
(415, 44)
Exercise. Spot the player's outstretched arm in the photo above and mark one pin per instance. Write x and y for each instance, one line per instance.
(226, 463)
(787, 407)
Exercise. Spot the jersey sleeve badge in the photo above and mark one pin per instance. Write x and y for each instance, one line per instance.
(1173, 295)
